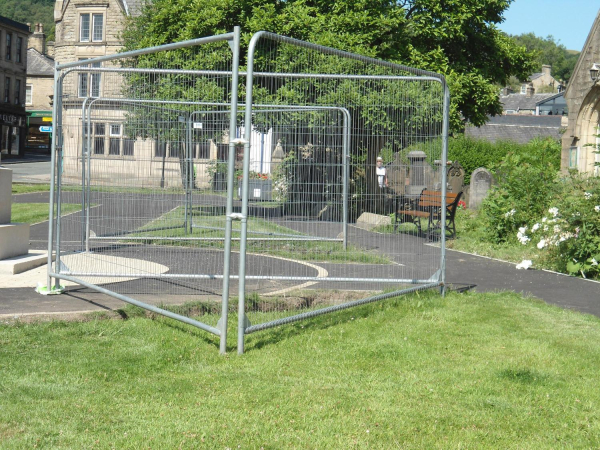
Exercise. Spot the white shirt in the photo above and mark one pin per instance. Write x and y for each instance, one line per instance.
(381, 176)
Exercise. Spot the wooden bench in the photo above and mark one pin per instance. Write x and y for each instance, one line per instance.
(429, 206)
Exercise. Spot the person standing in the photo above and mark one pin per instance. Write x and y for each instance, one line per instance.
(381, 173)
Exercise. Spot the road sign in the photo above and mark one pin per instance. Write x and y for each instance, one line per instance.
(197, 125)
(46, 129)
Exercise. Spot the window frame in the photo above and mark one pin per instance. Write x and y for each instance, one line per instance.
(19, 50)
(94, 30)
(8, 46)
(7, 85)
(17, 93)
(28, 94)
(576, 150)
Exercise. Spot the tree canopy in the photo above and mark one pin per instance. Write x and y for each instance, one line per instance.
(458, 38)
(549, 51)
(31, 11)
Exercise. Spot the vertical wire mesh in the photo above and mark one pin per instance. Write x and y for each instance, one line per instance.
(394, 112)
(144, 139)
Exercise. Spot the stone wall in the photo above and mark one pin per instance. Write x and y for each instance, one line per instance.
(583, 102)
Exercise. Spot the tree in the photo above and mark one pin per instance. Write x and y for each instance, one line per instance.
(31, 11)
(548, 51)
(457, 38)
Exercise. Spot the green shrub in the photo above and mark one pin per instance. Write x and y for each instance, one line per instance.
(569, 232)
(526, 183)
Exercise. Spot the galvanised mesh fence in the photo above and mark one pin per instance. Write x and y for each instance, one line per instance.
(185, 198)
(329, 207)
(140, 142)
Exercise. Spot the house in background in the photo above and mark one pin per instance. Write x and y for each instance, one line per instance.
(531, 104)
(542, 82)
(583, 101)
(13, 66)
(39, 92)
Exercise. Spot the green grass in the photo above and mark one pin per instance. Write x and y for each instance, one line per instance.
(212, 226)
(471, 238)
(37, 212)
(24, 188)
(467, 371)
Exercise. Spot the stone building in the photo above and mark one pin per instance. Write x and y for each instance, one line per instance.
(542, 82)
(583, 101)
(13, 65)
(39, 93)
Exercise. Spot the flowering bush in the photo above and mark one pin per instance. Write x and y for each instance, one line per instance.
(462, 205)
(568, 234)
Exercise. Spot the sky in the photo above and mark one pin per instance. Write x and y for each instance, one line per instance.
(568, 21)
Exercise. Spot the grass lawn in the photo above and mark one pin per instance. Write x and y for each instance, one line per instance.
(466, 371)
(37, 212)
(24, 188)
(213, 226)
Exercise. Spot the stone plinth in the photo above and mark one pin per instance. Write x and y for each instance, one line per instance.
(14, 237)
(368, 221)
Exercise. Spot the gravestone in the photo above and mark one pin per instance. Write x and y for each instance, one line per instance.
(456, 177)
(481, 182)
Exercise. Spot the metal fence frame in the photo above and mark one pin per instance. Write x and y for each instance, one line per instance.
(243, 327)
(61, 70)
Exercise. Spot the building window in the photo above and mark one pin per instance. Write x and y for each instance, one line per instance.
(91, 26)
(114, 147)
(89, 83)
(29, 94)
(523, 89)
(8, 45)
(17, 92)
(128, 144)
(18, 56)
(573, 157)
(7, 90)
(99, 137)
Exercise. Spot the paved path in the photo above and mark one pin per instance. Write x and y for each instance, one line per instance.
(462, 270)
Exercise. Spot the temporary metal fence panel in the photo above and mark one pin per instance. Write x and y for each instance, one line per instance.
(330, 214)
(131, 150)
(185, 198)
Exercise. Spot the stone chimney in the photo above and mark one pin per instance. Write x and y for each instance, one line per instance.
(38, 39)
(530, 90)
(547, 70)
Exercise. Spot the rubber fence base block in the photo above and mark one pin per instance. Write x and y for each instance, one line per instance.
(43, 290)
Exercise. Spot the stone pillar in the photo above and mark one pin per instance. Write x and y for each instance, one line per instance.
(14, 237)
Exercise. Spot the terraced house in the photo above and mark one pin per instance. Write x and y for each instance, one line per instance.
(13, 66)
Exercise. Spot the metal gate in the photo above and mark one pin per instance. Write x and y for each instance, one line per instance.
(183, 198)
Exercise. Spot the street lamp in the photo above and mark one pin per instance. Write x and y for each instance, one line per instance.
(594, 71)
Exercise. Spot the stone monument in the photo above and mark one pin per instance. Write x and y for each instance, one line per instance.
(455, 177)
(481, 182)
(14, 237)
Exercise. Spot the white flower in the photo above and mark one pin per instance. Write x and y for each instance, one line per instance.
(510, 213)
(597, 208)
(522, 229)
(525, 264)
(541, 244)
(553, 211)
(544, 219)
(535, 227)
(523, 239)
(587, 195)
(594, 262)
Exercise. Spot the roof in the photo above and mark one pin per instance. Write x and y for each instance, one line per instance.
(21, 26)
(535, 76)
(518, 102)
(583, 55)
(521, 129)
(38, 64)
